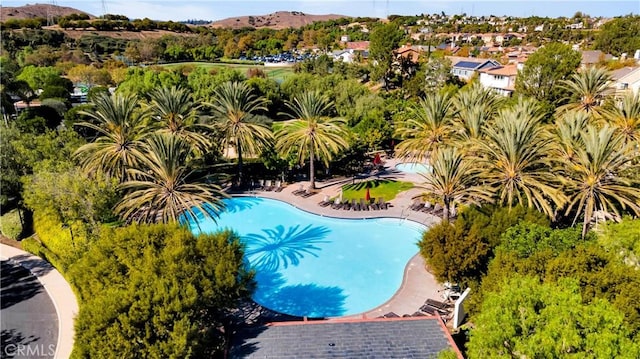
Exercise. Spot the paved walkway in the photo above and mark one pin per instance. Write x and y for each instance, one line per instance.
(418, 284)
(63, 298)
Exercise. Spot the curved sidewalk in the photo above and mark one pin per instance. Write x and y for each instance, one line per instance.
(57, 288)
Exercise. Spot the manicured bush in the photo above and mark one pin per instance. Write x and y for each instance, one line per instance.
(158, 291)
(10, 225)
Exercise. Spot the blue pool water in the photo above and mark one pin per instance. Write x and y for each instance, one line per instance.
(413, 167)
(309, 265)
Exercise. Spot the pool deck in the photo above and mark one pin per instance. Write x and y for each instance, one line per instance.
(418, 284)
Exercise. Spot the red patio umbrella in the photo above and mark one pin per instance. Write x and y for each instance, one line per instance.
(367, 196)
(377, 160)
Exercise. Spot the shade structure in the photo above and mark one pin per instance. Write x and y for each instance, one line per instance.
(368, 195)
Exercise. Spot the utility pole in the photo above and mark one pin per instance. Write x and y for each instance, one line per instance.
(50, 12)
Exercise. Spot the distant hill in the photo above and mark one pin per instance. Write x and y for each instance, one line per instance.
(37, 10)
(277, 20)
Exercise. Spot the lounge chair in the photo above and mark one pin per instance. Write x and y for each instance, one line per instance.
(268, 186)
(336, 204)
(433, 310)
(373, 204)
(299, 191)
(426, 208)
(308, 193)
(364, 205)
(260, 184)
(417, 205)
(279, 186)
(382, 204)
(325, 201)
(437, 210)
(391, 315)
(355, 206)
(437, 304)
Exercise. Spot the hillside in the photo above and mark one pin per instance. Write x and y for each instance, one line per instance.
(37, 10)
(277, 20)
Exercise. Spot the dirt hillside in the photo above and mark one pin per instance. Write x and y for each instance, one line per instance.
(277, 20)
(37, 10)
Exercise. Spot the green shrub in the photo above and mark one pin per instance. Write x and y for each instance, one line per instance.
(65, 243)
(35, 247)
(10, 225)
(157, 291)
(461, 251)
(623, 238)
(447, 354)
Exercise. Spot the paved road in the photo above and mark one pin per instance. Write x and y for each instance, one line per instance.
(28, 317)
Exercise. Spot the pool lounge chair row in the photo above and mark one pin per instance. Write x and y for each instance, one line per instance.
(434, 307)
(362, 205)
(304, 193)
(268, 185)
(427, 207)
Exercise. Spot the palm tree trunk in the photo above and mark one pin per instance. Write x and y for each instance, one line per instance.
(585, 225)
(445, 212)
(239, 148)
(312, 177)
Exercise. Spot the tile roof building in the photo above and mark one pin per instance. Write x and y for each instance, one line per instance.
(412, 337)
(500, 79)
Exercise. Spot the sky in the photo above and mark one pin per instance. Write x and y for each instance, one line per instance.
(220, 9)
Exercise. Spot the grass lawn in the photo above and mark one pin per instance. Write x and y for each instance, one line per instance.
(276, 73)
(386, 189)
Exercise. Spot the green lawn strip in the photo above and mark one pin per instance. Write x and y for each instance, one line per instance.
(276, 73)
(386, 189)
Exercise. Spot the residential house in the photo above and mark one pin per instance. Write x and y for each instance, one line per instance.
(575, 26)
(413, 52)
(592, 57)
(347, 56)
(358, 45)
(467, 67)
(500, 79)
(626, 79)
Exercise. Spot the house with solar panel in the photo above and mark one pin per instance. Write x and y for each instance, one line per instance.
(466, 68)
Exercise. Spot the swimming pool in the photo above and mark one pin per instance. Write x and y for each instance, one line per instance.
(413, 167)
(314, 266)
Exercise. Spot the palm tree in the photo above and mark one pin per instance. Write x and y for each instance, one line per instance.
(625, 117)
(164, 189)
(454, 178)
(566, 135)
(429, 126)
(175, 112)
(515, 162)
(594, 178)
(477, 96)
(588, 90)
(310, 132)
(234, 104)
(120, 128)
(470, 123)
